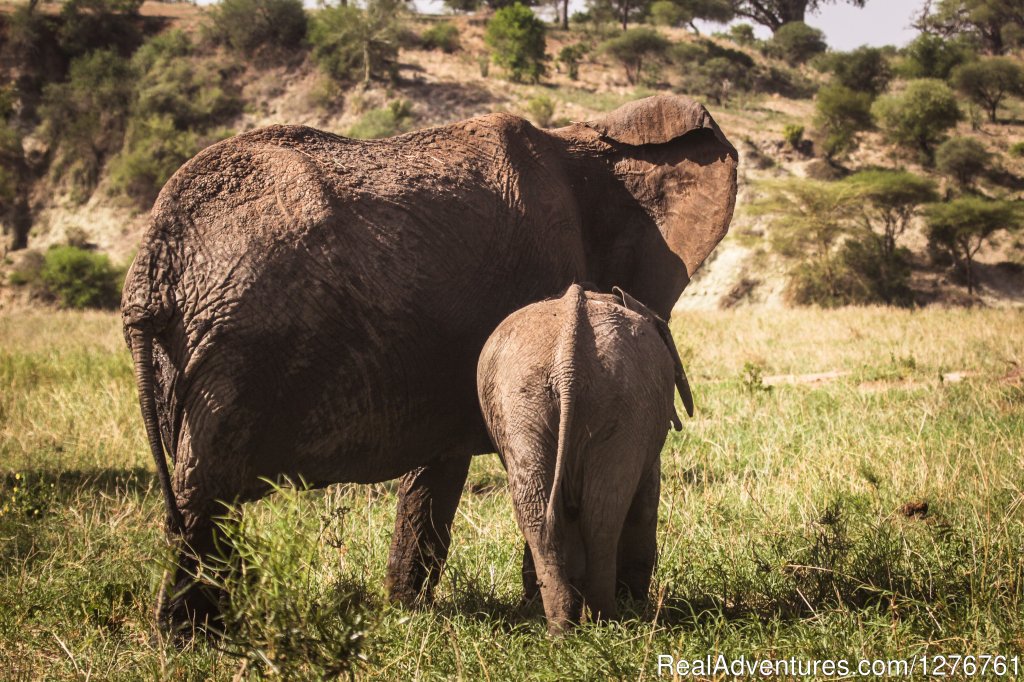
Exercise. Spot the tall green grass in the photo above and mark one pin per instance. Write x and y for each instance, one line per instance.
(793, 519)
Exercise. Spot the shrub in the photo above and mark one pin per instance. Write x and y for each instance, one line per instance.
(808, 219)
(541, 110)
(667, 13)
(932, 56)
(80, 279)
(516, 39)
(742, 34)
(394, 119)
(989, 81)
(963, 159)
(796, 42)
(357, 44)
(865, 69)
(155, 148)
(962, 226)
(918, 117)
(253, 25)
(87, 25)
(1017, 149)
(181, 102)
(570, 56)
(634, 47)
(713, 71)
(866, 275)
(85, 116)
(793, 135)
(840, 113)
(282, 616)
(443, 36)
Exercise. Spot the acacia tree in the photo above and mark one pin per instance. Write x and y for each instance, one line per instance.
(962, 226)
(998, 25)
(776, 13)
(989, 81)
(891, 199)
(808, 218)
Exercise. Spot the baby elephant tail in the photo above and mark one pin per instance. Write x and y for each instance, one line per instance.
(564, 374)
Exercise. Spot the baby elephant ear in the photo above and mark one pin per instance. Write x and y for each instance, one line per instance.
(655, 120)
(682, 383)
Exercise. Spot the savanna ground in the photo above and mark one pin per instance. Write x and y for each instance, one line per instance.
(793, 519)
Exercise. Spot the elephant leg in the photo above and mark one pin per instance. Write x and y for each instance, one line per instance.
(427, 500)
(187, 605)
(200, 482)
(562, 600)
(638, 544)
(530, 588)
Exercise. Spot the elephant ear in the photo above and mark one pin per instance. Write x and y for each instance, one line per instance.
(655, 120)
(682, 383)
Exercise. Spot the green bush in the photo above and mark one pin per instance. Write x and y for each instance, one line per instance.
(541, 110)
(793, 135)
(963, 159)
(353, 44)
(87, 25)
(155, 148)
(394, 119)
(181, 103)
(667, 13)
(517, 42)
(282, 617)
(988, 82)
(796, 42)
(570, 57)
(840, 113)
(962, 226)
(712, 71)
(742, 34)
(1017, 149)
(80, 279)
(443, 36)
(932, 56)
(250, 26)
(635, 47)
(85, 116)
(865, 69)
(918, 117)
(853, 275)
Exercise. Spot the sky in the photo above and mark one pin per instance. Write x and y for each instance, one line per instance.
(880, 22)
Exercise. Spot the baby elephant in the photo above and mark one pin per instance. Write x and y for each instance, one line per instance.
(577, 394)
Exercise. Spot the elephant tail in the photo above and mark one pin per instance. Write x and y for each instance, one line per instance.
(141, 343)
(564, 374)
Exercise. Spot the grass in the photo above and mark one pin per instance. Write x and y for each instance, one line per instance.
(782, 527)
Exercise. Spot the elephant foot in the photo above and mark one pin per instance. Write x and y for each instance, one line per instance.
(188, 608)
(427, 500)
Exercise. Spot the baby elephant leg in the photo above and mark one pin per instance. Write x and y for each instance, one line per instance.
(638, 545)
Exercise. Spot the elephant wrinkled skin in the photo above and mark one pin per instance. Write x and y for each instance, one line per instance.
(577, 394)
(311, 306)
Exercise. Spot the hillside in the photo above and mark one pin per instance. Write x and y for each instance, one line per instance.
(432, 87)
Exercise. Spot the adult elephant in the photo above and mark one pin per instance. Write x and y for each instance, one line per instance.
(311, 306)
